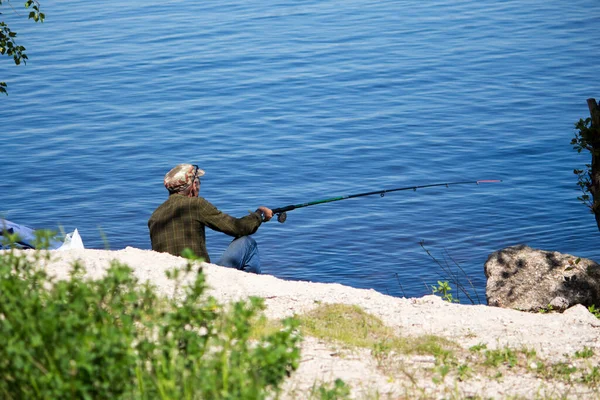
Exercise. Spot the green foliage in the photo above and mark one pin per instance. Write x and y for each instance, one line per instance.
(35, 14)
(584, 136)
(585, 139)
(464, 372)
(506, 356)
(478, 347)
(454, 275)
(585, 353)
(592, 377)
(594, 310)
(113, 338)
(546, 310)
(8, 46)
(443, 290)
(338, 391)
(564, 369)
(442, 370)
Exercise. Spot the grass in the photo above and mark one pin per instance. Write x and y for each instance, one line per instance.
(351, 326)
(573, 369)
(453, 275)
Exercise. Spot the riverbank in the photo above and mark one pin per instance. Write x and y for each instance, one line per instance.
(491, 352)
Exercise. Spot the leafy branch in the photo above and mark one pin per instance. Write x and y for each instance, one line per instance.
(35, 14)
(587, 137)
(584, 140)
(8, 46)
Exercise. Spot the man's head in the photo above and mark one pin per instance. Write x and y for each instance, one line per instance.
(182, 178)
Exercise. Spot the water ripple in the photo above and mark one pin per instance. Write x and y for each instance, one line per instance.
(285, 102)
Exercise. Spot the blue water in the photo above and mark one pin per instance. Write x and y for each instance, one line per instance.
(286, 102)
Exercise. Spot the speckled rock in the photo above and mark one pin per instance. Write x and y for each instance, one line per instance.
(527, 279)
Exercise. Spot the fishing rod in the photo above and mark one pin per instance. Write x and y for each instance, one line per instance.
(282, 211)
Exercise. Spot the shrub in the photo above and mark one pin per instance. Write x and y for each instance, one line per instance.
(116, 338)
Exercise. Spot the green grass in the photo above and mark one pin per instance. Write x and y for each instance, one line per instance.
(351, 326)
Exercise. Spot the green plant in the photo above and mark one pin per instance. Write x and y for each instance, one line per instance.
(116, 338)
(584, 140)
(442, 370)
(594, 310)
(546, 310)
(587, 352)
(443, 290)
(8, 46)
(336, 391)
(506, 356)
(587, 137)
(381, 352)
(455, 277)
(591, 378)
(464, 372)
(564, 370)
(478, 347)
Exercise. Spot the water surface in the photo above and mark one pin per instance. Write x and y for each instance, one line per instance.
(288, 102)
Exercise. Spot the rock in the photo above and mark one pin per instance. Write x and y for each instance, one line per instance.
(527, 279)
(559, 303)
(580, 314)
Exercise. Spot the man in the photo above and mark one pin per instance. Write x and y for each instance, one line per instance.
(179, 223)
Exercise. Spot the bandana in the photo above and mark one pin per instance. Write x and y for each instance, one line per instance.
(181, 177)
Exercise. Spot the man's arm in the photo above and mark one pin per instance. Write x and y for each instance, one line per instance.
(222, 222)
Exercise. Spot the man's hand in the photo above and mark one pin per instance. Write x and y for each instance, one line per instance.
(267, 213)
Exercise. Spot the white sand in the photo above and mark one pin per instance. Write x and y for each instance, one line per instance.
(551, 335)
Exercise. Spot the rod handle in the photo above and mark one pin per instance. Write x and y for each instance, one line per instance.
(283, 209)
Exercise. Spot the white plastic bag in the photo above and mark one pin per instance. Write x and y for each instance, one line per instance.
(72, 241)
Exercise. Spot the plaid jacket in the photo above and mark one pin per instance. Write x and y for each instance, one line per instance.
(179, 222)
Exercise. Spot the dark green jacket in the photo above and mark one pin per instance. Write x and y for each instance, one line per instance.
(179, 222)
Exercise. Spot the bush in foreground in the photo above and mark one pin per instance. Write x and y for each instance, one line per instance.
(116, 338)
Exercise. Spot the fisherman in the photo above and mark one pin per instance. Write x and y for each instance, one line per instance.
(179, 223)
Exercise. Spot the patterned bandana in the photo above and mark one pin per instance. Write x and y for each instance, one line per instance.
(181, 177)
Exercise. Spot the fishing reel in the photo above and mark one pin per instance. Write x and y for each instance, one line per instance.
(281, 217)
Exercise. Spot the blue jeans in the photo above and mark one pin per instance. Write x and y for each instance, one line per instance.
(242, 254)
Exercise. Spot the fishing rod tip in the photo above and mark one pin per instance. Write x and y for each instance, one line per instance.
(489, 181)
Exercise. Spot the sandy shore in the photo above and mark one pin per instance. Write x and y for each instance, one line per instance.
(555, 337)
